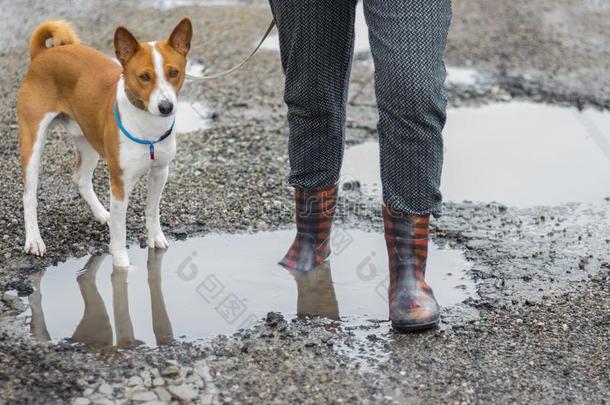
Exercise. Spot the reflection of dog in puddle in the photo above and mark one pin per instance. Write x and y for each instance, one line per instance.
(316, 293)
(94, 329)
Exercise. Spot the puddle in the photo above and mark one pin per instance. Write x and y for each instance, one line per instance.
(192, 116)
(217, 284)
(462, 76)
(361, 40)
(519, 154)
(195, 68)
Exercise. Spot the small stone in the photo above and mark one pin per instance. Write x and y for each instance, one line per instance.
(262, 225)
(103, 401)
(171, 371)
(146, 377)
(157, 382)
(273, 318)
(144, 396)
(81, 401)
(183, 392)
(163, 394)
(204, 372)
(207, 399)
(135, 380)
(105, 389)
(12, 301)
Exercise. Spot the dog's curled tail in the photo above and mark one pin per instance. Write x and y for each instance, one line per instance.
(61, 32)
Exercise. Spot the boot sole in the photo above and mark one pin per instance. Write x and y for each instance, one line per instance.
(415, 327)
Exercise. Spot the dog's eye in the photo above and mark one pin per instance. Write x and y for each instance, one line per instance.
(144, 77)
(173, 73)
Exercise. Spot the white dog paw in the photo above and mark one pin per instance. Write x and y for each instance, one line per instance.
(158, 241)
(35, 246)
(102, 216)
(120, 258)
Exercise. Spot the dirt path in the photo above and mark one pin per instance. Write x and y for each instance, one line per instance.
(542, 333)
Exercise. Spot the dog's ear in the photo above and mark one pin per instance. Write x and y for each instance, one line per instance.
(181, 36)
(125, 44)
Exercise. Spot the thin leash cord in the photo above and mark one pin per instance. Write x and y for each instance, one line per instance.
(234, 68)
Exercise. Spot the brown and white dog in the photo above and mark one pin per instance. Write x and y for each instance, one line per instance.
(81, 88)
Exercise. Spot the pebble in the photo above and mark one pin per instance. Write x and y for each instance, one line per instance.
(102, 401)
(81, 401)
(147, 378)
(105, 389)
(157, 382)
(143, 396)
(135, 380)
(163, 394)
(183, 392)
(12, 301)
(171, 371)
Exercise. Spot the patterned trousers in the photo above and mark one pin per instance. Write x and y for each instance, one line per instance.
(407, 39)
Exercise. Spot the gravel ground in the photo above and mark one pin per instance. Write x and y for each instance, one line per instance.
(542, 333)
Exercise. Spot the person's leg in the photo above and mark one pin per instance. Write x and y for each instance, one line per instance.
(316, 44)
(408, 41)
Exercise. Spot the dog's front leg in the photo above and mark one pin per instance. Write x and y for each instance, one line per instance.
(157, 177)
(119, 199)
(118, 234)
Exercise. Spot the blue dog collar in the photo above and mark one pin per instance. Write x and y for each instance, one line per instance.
(151, 144)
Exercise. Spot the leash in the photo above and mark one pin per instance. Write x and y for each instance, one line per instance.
(151, 144)
(234, 68)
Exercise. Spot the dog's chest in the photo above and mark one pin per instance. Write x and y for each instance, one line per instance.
(137, 158)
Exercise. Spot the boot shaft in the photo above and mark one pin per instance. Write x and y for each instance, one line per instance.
(407, 241)
(411, 300)
(313, 217)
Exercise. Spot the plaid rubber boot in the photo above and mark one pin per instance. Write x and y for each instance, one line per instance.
(314, 216)
(412, 303)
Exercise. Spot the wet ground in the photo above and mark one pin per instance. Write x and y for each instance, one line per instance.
(529, 250)
(201, 288)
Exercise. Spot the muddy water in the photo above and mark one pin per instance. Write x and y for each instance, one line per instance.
(462, 76)
(217, 284)
(192, 116)
(519, 154)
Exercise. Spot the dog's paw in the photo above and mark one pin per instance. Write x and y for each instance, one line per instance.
(158, 241)
(35, 246)
(120, 258)
(102, 216)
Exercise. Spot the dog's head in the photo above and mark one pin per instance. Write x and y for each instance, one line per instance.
(154, 72)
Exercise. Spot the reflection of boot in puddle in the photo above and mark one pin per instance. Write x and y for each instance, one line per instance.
(161, 323)
(94, 328)
(38, 325)
(316, 293)
(125, 337)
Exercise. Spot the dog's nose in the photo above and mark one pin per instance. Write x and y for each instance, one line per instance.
(166, 107)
